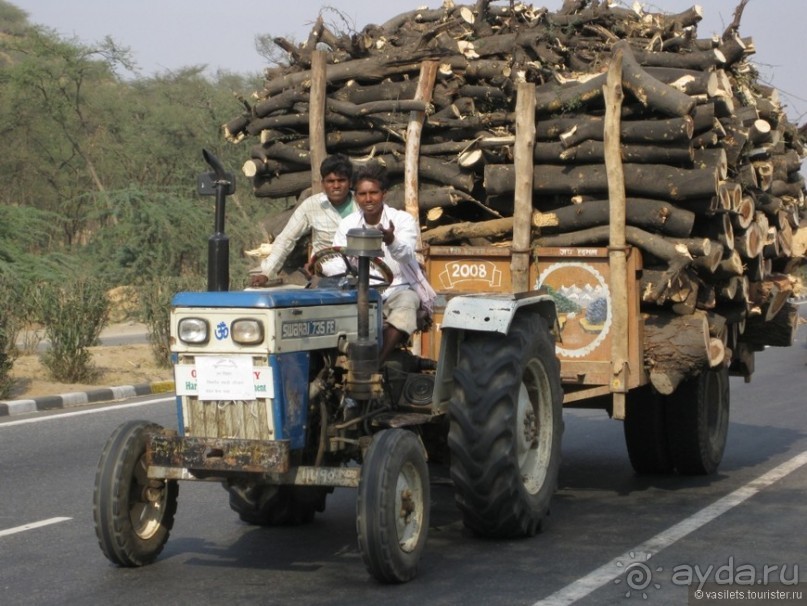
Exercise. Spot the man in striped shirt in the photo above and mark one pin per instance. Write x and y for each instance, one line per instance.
(317, 215)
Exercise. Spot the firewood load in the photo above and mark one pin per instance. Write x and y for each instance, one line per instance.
(711, 162)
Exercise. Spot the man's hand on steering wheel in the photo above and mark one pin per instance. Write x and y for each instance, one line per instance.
(330, 254)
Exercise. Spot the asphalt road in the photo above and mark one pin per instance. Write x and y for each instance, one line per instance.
(605, 521)
(121, 333)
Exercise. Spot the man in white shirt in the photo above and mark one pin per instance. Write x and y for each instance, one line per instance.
(409, 289)
(317, 215)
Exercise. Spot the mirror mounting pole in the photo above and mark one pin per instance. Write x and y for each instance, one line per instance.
(222, 184)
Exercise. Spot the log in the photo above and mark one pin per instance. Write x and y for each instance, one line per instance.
(718, 228)
(671, 130)
(429, 168)
(779, 331)
(428, 198)
(368, 69)
(688, 81)
(467, 230)
(742, 215)
(771, 294)
(593, 152)
(730, 265)
(660, 286)
(711, 157)
(673, 253)
(398, 106)
(359, 94)
(784, 238)
(677, 347)
(570, 97)
(648, 90)
(283, 101)
(749, 243)
(653, 215)
(652, 181)
(756, 269)
(710, 261)
(703, 117)
(691, 302)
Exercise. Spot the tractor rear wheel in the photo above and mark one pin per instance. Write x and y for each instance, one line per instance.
(392, 507)
(698, 421)
(505, 428)
(646, 432)
(133, 515)
(277, 505)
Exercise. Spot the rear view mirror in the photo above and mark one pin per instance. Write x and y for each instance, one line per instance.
(206, 184)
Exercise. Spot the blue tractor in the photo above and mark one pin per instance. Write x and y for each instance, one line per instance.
(280, 398)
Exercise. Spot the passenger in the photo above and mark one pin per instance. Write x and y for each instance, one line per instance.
(409, 289)
(317, 215)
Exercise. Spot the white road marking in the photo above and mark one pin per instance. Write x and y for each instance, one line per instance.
(32, 525)
(611, 570)
(90, 411)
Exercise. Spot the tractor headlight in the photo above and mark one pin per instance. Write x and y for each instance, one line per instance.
(193, 330)
(247, 331)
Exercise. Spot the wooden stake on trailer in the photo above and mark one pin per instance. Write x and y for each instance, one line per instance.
(316, 117)
(428, 74)
(522, 212)
(617, 248)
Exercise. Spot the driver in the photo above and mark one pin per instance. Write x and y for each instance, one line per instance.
(409, 288)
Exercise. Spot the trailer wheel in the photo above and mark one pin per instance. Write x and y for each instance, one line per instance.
(698, 422)
(505, 429)
(646, 432)
(392, 507)
(133, 515)
(277, 505)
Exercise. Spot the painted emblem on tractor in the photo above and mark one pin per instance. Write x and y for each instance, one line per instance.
(222, 332)
(583, 303)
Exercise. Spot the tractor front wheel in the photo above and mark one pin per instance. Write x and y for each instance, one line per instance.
(133, 514)
(392, 508)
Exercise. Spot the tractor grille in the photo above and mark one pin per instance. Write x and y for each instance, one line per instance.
(238, 419)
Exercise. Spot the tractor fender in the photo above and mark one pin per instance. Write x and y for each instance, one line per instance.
(481, 313)
(494, 313)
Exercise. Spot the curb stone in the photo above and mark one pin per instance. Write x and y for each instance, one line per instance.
(79, 398)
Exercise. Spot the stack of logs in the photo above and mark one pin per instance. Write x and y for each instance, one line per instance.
(711, 162)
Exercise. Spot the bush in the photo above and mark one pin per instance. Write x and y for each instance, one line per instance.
(6, 360)
(155, 308)
(73, 314)
(12, 313)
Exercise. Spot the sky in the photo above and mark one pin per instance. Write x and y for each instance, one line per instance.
(166, 35)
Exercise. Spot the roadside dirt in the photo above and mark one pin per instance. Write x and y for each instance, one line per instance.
(117, 365)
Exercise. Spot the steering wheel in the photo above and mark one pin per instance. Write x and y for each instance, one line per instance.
(331, 253)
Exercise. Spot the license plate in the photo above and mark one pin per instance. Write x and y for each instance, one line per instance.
(224, 378)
